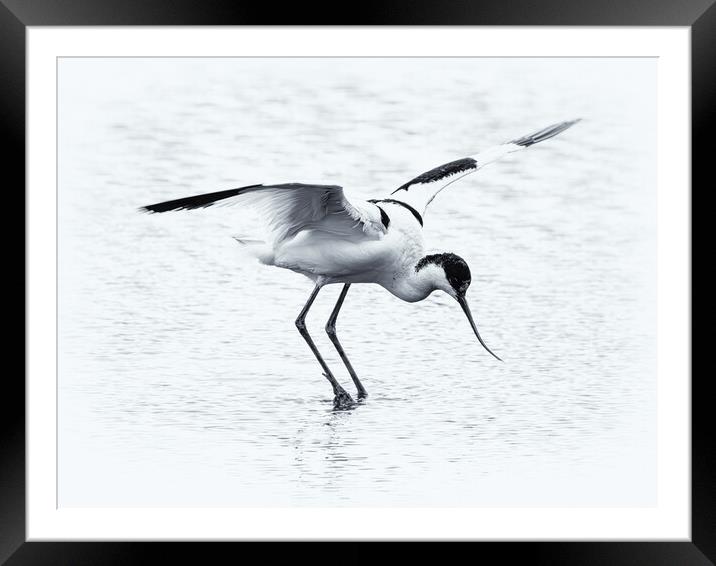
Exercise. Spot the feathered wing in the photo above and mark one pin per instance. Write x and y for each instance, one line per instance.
(420, 191)
(289, 208)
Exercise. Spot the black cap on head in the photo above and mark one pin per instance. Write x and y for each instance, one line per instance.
(456, 270)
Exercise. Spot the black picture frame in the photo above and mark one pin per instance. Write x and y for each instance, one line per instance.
(17, 15)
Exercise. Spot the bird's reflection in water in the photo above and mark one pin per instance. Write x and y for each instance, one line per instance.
(320, 448)
(334, 446)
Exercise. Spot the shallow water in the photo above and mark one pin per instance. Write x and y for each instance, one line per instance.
(182, 379)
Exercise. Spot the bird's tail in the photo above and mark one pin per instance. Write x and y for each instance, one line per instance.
(247, 241)
(258, 249)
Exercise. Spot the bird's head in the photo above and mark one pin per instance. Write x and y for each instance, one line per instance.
(450, 273)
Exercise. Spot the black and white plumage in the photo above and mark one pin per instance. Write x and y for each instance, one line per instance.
(420, 191)
(316, 230)
(441, 172)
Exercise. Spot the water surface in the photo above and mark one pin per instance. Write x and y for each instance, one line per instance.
(182, 379)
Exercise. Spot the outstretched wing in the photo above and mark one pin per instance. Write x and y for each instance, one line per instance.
(420, 191)
(291, 207)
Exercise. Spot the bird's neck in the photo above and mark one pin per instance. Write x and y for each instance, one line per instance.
(416, 285)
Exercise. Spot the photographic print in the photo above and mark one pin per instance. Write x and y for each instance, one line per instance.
(356, 282)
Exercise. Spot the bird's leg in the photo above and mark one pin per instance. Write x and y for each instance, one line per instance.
(331, 330)
(342, 398)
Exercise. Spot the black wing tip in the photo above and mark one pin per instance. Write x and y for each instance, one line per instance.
(196, 201)
(544, 133)
(155, 208)
(166, 207)
(170, 206)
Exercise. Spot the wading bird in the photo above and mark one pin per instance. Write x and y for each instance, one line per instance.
(316, 231)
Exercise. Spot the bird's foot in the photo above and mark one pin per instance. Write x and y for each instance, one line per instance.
(342, 399)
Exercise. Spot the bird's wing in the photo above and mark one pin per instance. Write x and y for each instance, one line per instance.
(291, 207)
(420, 191)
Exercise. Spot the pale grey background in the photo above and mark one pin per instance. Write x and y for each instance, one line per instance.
(182, 379)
